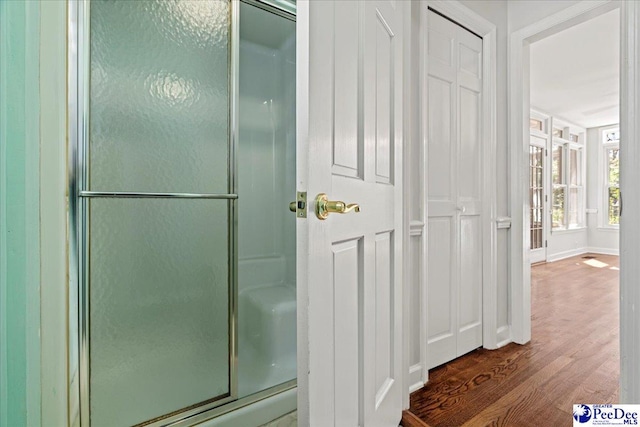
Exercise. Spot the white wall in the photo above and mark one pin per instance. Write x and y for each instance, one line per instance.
(566, 243)
(600, 240)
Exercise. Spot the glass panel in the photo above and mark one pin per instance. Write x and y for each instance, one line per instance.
(556, 165)
(535, 195)
(536, 156)
(557, 132)
(612, 135)
(535, 124)
(574, 207)
(538, 181)
(159, 96)
(573, 137)
(614, 205)
(538, 238)
(557, 209)
(613, 156)
(159, 307)
(266, 177)
(575, 176)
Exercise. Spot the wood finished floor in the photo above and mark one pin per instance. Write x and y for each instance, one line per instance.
(573, 356)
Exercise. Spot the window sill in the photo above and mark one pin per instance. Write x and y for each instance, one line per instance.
(610, 228)
(568, 230)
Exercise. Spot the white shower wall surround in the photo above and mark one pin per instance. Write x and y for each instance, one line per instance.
(266, 185)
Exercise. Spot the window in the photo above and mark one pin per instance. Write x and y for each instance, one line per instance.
(567, 208)
(535, 124)
(559, 187)
(575, 206)
(612, 136)
(611, 146)
(556, 132)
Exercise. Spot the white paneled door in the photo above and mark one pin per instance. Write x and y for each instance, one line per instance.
(353, 266)
(454, 278)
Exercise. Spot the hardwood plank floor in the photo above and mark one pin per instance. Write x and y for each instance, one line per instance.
(573, 356)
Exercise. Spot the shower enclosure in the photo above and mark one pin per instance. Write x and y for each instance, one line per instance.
(182, 167)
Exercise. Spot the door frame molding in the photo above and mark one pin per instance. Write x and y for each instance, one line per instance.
(518, 97)
(464, 16)
(629, 253)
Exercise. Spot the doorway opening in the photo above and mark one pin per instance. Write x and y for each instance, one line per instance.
(574, 155)
(574, 196)
(572, 110)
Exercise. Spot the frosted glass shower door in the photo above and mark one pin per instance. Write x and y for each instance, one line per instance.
(156, 202)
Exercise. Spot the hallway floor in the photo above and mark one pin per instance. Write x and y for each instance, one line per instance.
(573, 356)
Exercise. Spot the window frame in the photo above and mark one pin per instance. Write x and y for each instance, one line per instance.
(557, 142)
(567, 145)
(579, 186)
(603, 217)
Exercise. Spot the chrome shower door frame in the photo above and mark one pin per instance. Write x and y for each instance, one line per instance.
(79, 195)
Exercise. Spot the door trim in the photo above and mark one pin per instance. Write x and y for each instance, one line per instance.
(630, 268)
(487, 30)
(302, 227)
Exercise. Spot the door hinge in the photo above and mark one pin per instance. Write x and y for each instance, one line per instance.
(546, 152)
(546, 198)
(545, 244)
(301, 204)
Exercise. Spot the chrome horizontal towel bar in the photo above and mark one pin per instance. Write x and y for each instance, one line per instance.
(136, 195)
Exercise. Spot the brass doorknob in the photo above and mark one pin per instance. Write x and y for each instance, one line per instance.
(324, 206)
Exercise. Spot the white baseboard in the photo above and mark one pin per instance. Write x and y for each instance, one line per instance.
(415, 378)
(604, 251)
(503, 336)
(566, 254)
(416, 386)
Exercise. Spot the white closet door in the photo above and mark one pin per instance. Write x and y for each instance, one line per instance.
(454, 289)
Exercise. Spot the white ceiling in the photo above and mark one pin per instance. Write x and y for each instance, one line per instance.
(575, 73)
